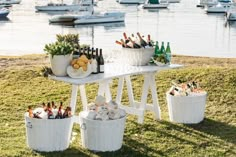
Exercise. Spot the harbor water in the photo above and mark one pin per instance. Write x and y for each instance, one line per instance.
(189, 29)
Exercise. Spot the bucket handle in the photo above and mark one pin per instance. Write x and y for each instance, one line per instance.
(83, 126)
(29, 125)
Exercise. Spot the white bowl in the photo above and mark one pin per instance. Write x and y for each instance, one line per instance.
(79, 73)
(135, 57)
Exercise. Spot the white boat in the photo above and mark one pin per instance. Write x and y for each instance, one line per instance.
(4, 12)
(155, 4)
(60, 7)
(107, 17)
(219, 8)
(68, 18)
(81, 5)
(209, 3)
(170, 1)
(130, 1)
(10, 1)
(231, 14)
(5, 5)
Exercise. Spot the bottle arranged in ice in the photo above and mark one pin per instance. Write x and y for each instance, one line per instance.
(168, 53)
(101, 62)
(157, 50)
(142, 42)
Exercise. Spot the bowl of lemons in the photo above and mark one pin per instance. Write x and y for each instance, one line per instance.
(80, 67)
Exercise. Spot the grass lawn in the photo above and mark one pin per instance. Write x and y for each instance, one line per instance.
(21, 85)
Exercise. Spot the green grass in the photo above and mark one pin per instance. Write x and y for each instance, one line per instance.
(215, 136)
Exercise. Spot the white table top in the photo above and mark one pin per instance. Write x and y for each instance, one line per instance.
(113, 70)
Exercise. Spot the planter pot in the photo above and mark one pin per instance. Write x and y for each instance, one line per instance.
(48, 134)
(186, 109)
(59, 64)
(136, 57)
(102, 136)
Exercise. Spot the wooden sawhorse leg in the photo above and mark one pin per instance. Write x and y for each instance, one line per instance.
(138, 108)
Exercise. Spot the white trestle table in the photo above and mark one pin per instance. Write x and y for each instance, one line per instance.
(123, 73)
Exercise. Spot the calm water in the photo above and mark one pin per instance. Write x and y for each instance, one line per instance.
(189, 29)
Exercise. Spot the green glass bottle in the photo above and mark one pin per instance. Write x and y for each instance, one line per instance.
(168, 53)
(157, 50)
(162, 51)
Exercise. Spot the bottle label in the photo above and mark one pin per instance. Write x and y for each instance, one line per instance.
(94, 66)
(101, 68)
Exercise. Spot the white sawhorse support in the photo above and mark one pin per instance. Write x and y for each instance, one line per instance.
(138, 108)
(103, 90)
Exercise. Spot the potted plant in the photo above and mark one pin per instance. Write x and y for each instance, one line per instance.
(60, 54)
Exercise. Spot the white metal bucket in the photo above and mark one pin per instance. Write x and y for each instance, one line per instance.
(186, 109)
(102, 136)
(135, 57)
(48, 134)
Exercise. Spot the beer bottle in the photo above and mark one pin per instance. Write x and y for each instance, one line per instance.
(65, 114)
(53, 105)
(50, 113)
(59, 113)
(31, 115)
(44, 107)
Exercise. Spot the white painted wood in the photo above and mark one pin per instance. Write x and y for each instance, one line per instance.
(76, 119)
(123, 72)
(119, 90)
(113, 70)
(131, 110)
(101, 88)
(104, 89)
(156, 107)
(107, 91)
(130, 90)
(144, 97)
(83, 96)
(73, 99)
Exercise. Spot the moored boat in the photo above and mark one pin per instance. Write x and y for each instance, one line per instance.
(10, 1)
(170, 1)
(130, 1)
(155, 4)
(219, 8)
(61, 7)
(231, 14)
(81, 5)
(107, 17)
(4, 12)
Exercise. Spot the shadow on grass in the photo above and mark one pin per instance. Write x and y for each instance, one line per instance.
(70, 152)
(222, 130)
(135, 146)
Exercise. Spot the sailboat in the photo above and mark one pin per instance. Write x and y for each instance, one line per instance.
(155, 4)
(4, 12)
(76, 5)
(10, 1)
(231, 13)
(130, 1)
(219, 8)
(90, 17)
(106, 17)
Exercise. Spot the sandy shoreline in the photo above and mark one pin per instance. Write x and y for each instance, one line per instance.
(42, 60)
